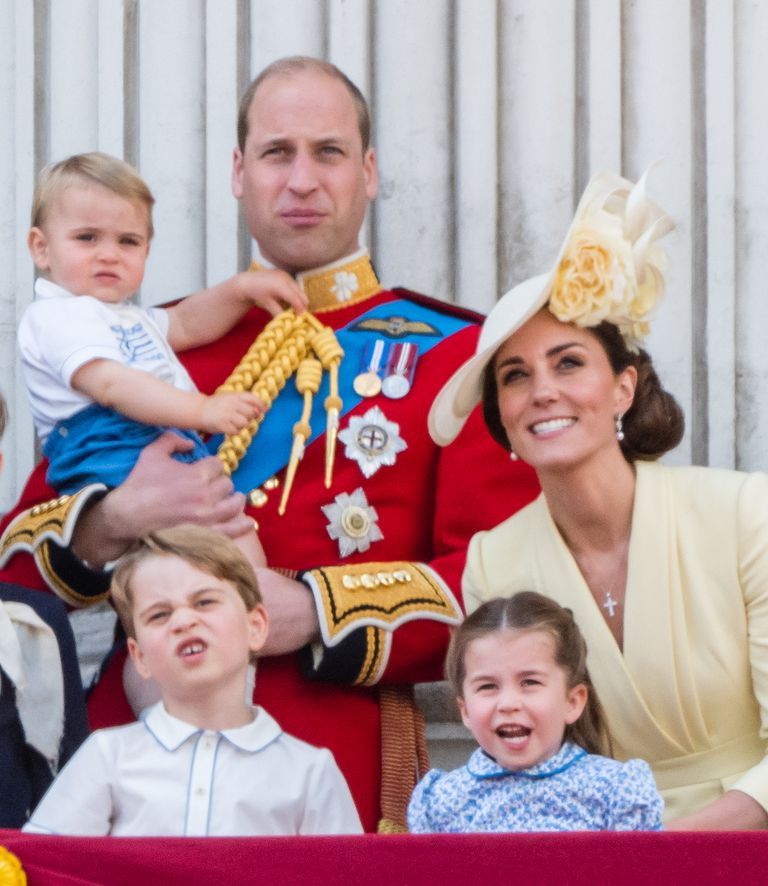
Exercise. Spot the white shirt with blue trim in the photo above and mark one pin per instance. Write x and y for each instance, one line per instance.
(163, 777)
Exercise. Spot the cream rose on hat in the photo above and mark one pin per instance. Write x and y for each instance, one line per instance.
(610, 269)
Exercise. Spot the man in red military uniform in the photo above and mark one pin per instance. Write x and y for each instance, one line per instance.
(366, 559)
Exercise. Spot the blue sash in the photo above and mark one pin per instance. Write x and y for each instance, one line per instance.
(271, 447)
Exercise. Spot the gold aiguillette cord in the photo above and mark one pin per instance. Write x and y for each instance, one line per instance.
(272, 359)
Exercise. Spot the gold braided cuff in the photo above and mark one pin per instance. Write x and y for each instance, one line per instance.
(378, 643)
(51, 521)
(378, 596)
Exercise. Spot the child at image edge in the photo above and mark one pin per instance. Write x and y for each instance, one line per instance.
(203, 761)
(518, 667)
(102, 375)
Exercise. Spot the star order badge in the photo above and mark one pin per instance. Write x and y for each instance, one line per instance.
(372, 441)
(352, 522)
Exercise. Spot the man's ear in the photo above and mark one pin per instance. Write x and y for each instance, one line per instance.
(237, 173)
(137, 657)
(37, 244)
(371, 173)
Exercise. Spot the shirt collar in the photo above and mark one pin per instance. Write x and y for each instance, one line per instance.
(481, 765)
(339, 284)
(171, 732)
(45, 288)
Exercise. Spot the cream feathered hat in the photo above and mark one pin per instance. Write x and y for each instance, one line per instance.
(609, 268)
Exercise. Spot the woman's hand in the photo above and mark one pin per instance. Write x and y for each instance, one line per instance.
(734, 811)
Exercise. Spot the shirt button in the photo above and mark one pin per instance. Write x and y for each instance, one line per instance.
(200, 792)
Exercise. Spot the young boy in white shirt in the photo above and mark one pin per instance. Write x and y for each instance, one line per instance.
(203, 761)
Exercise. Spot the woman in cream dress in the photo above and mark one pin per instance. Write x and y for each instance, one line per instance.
(665, 569)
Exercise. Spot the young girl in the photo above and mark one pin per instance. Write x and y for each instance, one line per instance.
(518, 667)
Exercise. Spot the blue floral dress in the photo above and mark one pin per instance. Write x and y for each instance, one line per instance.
(572, 791)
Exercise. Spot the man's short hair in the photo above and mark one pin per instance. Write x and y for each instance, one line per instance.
(199, 546)
(294, 64)
(96, 168)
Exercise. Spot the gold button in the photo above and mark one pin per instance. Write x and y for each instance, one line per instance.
(272, 483)
(257, 498)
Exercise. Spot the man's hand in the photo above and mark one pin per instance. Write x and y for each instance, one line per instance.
(158, 493)
(228, 412)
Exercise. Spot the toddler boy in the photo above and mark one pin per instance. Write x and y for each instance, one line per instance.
(202, 761)
(102, 374)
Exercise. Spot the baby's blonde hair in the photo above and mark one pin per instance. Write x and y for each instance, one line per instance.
(96, 168)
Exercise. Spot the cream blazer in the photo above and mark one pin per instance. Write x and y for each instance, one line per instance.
(689, 694)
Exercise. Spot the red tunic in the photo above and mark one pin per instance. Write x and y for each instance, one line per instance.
(429, 504)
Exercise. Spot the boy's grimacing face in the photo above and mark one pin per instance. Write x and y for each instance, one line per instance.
(193, 631)
(93, 242)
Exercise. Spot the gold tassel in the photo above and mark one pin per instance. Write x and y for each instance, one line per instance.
(330, 353)
(308, 380)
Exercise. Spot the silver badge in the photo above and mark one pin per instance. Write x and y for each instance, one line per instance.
(352, 522)
(372, 441)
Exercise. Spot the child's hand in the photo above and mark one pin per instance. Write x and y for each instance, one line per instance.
(229, 412)
(272, 290)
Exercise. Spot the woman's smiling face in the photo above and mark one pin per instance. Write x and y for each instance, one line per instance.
(557, 393)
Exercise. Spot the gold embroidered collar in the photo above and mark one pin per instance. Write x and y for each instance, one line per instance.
(339, 284)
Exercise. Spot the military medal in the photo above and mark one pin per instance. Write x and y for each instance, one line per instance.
(372, 441)
(352, 522)
(399, 371)
(368, 382)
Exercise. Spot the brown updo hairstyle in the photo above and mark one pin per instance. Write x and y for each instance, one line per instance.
(653, 424)
(530, 611)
